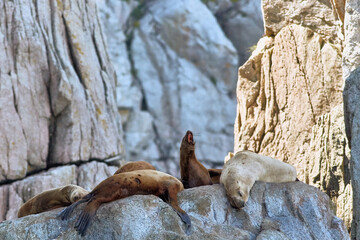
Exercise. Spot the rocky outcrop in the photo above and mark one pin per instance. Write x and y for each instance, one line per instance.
(327, 162)
(177, 57)
(274, 211)
(241, 21)
(86, 176)
(289, 81)
(57, 87)
(351, 72)
(162, 54)
(289, 96)
(161, 49)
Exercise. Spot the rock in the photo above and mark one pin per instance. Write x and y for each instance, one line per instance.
(352, 119)
(87, 176)
(241, 21)
(351, 52)
(91, 174)
(322, 17)
(173, 50)
(291, 210)
(351, 74)
(290, 94)
(58, 87)
(327, 162)
(289, 81)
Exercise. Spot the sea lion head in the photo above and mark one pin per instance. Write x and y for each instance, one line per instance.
(74, 193)
(237, 191)
(188, 142)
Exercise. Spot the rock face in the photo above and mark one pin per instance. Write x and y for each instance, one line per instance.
(86, 176)
(161, 49)
(351, 72)
(274, 211)
(178, 71)
(289, 96)
(57, 87)
(241, 21)
(327, 162)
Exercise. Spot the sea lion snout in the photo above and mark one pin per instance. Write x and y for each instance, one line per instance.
(236, 202)
(189, 138)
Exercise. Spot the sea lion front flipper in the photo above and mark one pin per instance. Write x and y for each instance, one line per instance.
(186, 219)
(171, 198)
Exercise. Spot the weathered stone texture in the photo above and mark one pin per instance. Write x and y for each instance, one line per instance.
(57, 87)
(15, 194)
(351, 72)
(185, 84)
(327, 162)
(241, 21)
(288, 82)
(290, 211)
(290, 94)
(321, 16)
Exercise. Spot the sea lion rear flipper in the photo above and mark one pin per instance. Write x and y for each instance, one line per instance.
(65, 214)
(83, 222)
(86, 216)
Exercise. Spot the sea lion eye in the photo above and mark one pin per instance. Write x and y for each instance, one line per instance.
(240, 194)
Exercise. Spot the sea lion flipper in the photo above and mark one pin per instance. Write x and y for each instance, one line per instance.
(83, 222)
(86, 216)
(65, 214)
(185, 218)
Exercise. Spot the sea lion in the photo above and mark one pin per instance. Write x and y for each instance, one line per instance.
(215, 175)
(133, 166)
(193, 173)
(51, 199)
(140, 182)
(242, 170)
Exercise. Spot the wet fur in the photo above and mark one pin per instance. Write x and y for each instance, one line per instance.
(140, 182)
(51, 199)
(193, 173)
(133, 166)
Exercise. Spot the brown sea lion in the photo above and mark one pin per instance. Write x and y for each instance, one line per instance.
(215, 175)
(140, 182)
(193, 173)
(245, 167)
(51, 199)
(133, 166)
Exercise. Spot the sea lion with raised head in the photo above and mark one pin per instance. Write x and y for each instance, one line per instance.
(51, 199)
(245, 167)
(193, 173)
(133, 166)
(140, 182)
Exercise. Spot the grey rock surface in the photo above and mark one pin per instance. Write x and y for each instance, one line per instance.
(57, 89)
(241, 21)
(185, 84)
(15, 194)
(274, 211)
(351, 73)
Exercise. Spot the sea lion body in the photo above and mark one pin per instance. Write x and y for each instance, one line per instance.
(140, 182)
(193, 173)
(215, 175)
(133, 166)
(244, 168)
(51, 199)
